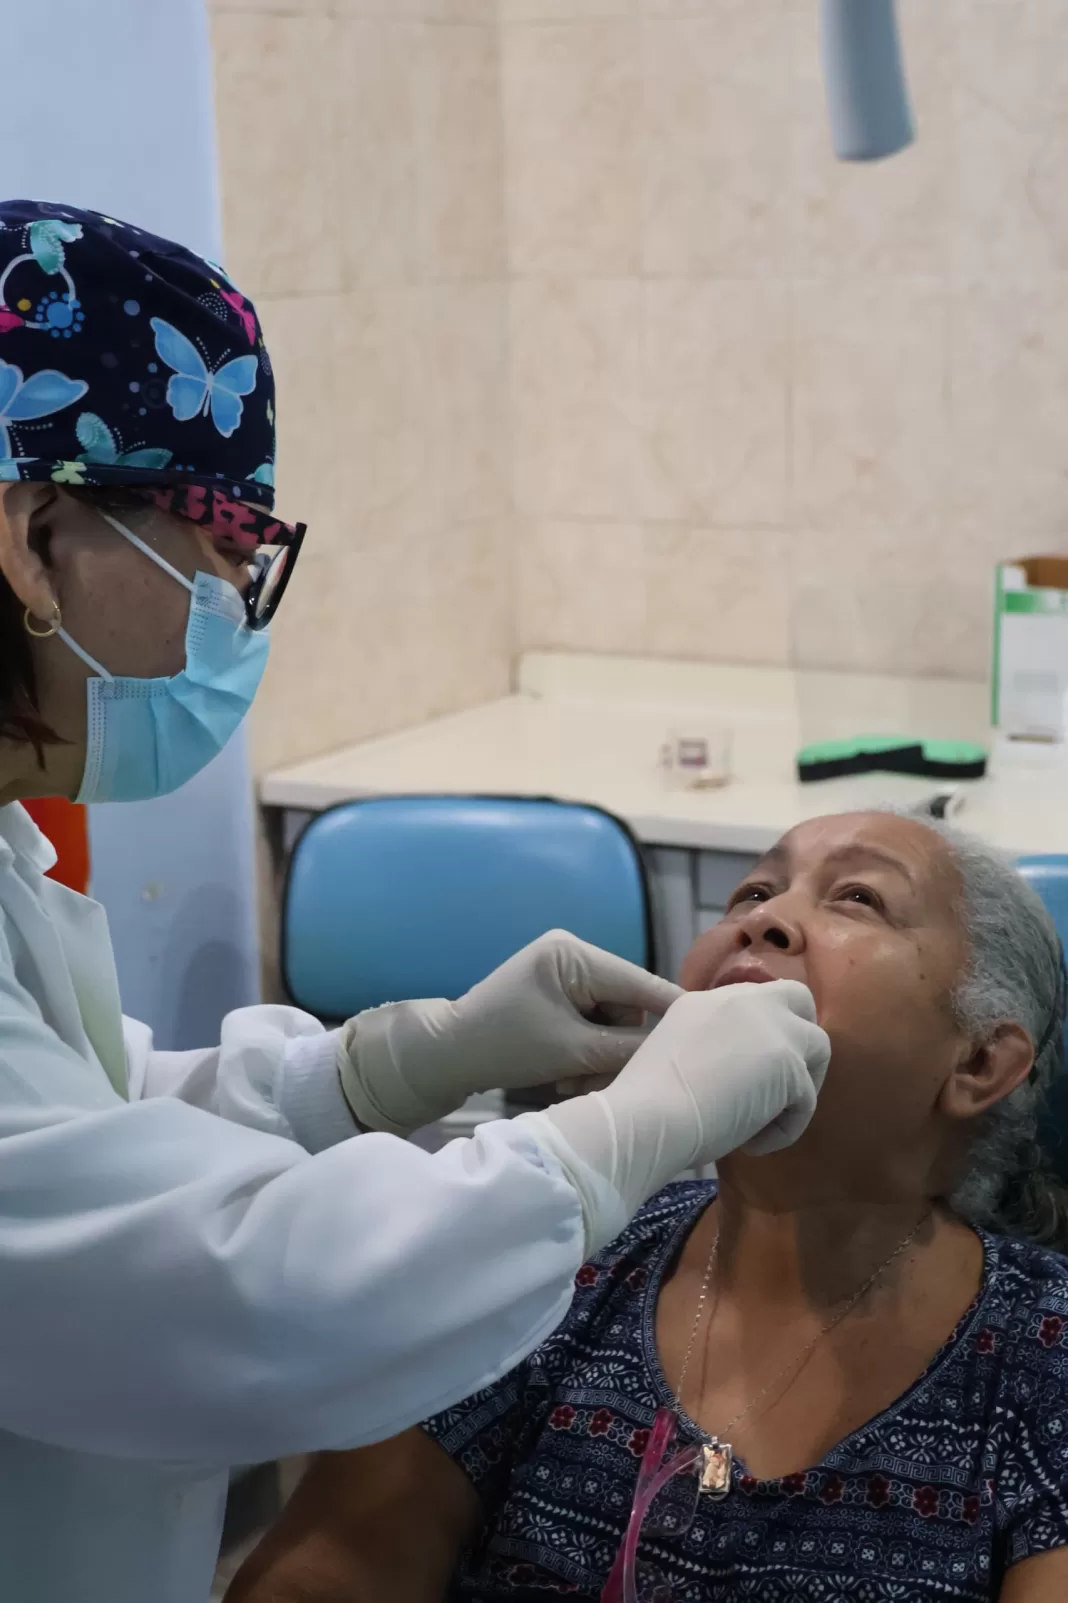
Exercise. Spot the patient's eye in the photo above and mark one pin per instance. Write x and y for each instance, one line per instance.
(750, 893)
(862, 895)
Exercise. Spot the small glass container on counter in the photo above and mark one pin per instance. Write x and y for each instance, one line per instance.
(696, 757)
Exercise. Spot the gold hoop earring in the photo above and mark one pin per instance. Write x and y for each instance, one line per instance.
(43, 634)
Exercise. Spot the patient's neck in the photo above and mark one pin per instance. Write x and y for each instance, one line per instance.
(780, 1248)
(780, 1309)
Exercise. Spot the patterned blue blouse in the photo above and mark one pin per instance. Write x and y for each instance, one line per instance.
(964, 1476)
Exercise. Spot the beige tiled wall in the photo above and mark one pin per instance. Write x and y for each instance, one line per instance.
(768, 407)
(577, 320)
(360, 147)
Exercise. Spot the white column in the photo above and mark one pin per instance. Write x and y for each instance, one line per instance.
(108, 104)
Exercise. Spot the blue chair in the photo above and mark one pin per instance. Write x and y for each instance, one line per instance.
(1049, 876)
(408, 896)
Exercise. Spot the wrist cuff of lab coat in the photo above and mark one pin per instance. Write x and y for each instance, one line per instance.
(605, 1213)
(310, 1098)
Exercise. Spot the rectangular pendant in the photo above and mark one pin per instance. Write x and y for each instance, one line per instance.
(716, 1465)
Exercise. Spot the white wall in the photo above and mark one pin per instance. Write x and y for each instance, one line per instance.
(108, 104)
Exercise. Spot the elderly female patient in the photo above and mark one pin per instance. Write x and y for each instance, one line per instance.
(864, 1336)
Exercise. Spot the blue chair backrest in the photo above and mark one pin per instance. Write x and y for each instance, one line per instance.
(1049, 876)
(401, 897)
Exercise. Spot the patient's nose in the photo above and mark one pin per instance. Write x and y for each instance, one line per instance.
(769, 924)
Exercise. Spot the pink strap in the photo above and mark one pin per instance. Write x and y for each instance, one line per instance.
(622, 1585)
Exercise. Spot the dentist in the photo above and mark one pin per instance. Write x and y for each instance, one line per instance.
(226, 1256)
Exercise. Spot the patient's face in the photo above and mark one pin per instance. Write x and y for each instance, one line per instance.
(861, 908)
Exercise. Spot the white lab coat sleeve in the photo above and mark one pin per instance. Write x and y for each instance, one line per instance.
(275, 1069)
(180, 1287)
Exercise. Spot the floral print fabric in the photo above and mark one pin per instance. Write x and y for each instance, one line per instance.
(962, 1477)
(127, 359)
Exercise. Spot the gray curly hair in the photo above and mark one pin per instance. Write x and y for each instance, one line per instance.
(1014, 972)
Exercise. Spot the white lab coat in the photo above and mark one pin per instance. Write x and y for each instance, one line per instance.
(184, 1287)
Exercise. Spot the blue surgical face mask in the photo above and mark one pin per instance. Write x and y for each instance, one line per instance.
(147, 737)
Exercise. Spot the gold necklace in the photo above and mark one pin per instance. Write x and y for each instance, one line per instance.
(717, 1462)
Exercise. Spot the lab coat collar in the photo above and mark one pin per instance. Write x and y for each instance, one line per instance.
(20, 838)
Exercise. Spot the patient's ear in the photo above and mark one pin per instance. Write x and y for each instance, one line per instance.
(993, 1070)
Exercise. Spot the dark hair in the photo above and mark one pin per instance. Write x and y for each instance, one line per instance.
(20, 715)
(20, 719)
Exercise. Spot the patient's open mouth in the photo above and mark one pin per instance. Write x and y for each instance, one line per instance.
(743, 971)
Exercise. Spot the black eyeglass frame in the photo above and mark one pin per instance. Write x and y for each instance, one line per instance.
(262, 565)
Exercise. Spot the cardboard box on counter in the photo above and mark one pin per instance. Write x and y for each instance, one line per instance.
(1030, 677)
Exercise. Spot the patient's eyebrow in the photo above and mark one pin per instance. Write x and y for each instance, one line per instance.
(780, 860)
(858, 853)
(776, 858)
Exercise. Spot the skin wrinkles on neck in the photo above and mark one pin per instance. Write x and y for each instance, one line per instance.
(763, 1349)
(809, 1260)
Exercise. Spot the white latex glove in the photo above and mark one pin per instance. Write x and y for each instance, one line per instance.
(527, 1024)
(735, 1068)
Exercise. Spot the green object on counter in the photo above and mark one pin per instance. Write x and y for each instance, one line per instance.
(891, 754)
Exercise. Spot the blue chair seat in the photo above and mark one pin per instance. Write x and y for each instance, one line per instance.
(400, 897)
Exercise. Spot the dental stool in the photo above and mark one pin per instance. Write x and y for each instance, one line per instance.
(400, 897)
(1049, 876)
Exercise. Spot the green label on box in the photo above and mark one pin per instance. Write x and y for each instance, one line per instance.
(1055, 601)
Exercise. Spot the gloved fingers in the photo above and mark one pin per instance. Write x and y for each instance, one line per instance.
(790, 1124)
(610, 1050)
(634, 987)
(583, 1085)
(614, 1013)
(609, 979)
(797, 997)
(593, 1054)
(816, 1046)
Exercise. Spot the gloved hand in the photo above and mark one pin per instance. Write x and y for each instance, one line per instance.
(740, 1067)
(527, 1024)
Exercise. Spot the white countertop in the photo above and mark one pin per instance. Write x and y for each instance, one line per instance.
(590, 729)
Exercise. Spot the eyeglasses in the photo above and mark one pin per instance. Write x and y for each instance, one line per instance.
(266, 546)
(669, 1489)
(271, 569)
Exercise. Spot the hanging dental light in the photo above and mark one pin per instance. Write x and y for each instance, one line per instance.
(867, 93)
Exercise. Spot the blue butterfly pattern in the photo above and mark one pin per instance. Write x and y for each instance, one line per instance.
(100, 446)
(47, 239)
(193, 388)
(163, 375)
(24, 400)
